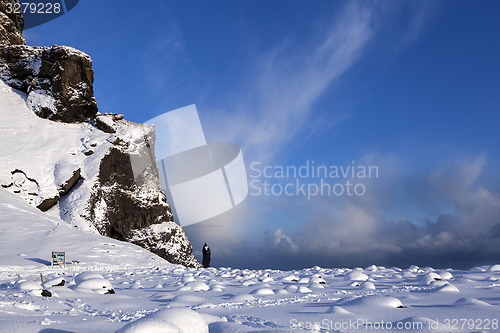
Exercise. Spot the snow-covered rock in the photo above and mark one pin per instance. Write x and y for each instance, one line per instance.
(11, 26)
(356, 276)
(29, 285)
(101, 286)
(375, 301)
(87, 276)
(175, 320)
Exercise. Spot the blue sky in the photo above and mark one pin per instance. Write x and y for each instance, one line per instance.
(411, 87)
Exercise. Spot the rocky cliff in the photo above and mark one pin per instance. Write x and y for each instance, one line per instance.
(11, 26)
(103, 178)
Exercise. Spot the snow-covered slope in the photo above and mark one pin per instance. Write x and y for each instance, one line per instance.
(37, 156)
(84, 175)
(28, 236)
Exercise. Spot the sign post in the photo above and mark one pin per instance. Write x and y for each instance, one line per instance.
(59, 258)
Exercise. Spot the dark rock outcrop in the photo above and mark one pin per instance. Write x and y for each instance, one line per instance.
(65, 187)
(125, 210)
(105, 123)
(167, 240)
(136, 207)
(11, 25)
(57, 79)
(48, 203)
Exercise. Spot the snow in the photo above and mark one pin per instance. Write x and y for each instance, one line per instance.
(495, 268)
(108, 121)
(87, 276)
(195, 286)
(33, 146)
(38, 99)
(374, 301)
(96, 285)
(168, 320)
(28, 286)
(28, 236)
(161, 297)
(356, 276)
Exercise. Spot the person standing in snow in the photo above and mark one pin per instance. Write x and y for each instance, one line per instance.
(206, 256)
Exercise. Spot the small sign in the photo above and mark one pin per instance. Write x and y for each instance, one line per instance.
(59, 258)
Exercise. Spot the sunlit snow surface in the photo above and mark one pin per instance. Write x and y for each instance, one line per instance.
(215, 300)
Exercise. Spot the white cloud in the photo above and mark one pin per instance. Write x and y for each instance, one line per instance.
(279, 242)
(164, 59)
(277, 104)
(288, 80)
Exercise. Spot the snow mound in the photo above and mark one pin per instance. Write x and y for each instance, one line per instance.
(195, 286)
(87, 276)
(168, 321)
(376, 301)
(495, 268)
(248, 283)
(477, 270)
(429, 277)
(188, 299)
(356, 276)
(316, 285)
(448, 288)
(304, 280)
(29, 285)
(338, 310)
(262, 291)
(470, 301)
(303, 290)
(290, 278)
(101, 286)
(445, 275)
(53, 282)
(317, 279)
(368, 285)
(187, 278)
(419, 322)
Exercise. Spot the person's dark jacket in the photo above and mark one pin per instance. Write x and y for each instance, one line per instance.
(206, 256)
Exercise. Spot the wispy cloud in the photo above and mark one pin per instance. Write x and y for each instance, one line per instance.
(420, 15)
(288, 79)
(277, 104)
(164, 59)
